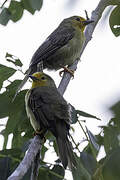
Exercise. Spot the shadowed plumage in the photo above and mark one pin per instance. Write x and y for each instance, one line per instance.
(48, 111)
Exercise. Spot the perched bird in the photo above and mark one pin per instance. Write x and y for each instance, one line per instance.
(48, 111)
(61, 48)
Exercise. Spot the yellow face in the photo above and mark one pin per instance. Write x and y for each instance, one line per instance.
(40, 79)
(80, 22)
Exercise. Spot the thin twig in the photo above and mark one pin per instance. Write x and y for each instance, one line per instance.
(83, 130)
(76, 146)
(21, 71)
(3, 4)
(9, 81)
(54, 173)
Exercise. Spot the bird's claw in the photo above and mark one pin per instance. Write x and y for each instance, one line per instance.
(65, 69)
(41, 134)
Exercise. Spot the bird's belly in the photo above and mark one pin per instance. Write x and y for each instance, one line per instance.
(64, 56)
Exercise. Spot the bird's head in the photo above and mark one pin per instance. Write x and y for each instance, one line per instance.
(41, 79)
(78, 22)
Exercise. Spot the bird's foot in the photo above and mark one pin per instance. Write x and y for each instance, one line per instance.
(41, 134)
(65, 69)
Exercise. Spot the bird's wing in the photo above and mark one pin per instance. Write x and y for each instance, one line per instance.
(49, 103)
(55, 41)
(35, 103)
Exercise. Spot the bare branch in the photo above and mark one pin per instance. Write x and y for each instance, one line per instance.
(35, 167)
(3, 4)
(25, 164)
(66, 78)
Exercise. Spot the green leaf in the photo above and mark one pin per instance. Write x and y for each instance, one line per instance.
(28, 129)
(88, 162)
(17, 113)
(88, 149)
(115, 121)
(111, 140)
(58, 172)
(32, 5)
(44, 174)
(16, 61)
(74, 114)
(17, 121)
(27, 6)
(12, 87)
(116, 110)
(93, 140)
(36, 4)
(51, 174)
(111, 169)
(5, 16)
(12, 153)
(114, 21)
(43, 151)
(84, 114)
(5, 104)
(5, 139)
(5, 73)
(16, 10)
(80, 173)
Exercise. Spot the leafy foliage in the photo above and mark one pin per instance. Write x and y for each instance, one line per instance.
(16, 9)
(114, 21)
(4, 16)
(16, 61)
(5, 72)
(111, 168)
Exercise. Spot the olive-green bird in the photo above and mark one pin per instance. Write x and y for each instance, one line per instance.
(48, 111)
(61, 48)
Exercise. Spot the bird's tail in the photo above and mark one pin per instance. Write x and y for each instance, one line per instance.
(66, 153)
(22, 84)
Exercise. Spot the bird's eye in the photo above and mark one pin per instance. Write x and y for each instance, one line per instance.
(78, 19)
(43, 78)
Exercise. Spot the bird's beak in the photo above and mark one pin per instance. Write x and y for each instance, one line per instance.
(33, 78)
(87, 22)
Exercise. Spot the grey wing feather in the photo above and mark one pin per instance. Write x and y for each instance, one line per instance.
(54, 103)
(56, 40)
(35, 106)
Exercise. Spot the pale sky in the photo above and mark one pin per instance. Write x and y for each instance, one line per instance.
(96, 84)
